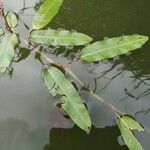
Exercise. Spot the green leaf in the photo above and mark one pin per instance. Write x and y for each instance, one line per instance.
(1, 31)
(11, 19)
(132, 124)
(7, 52)
(46, 12)
(62, 38)
(125, 124)
(59, 85)
(112, 47)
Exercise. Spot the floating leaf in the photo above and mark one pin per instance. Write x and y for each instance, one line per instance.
(1, 31)
(132, 124)
(58, 84)
(125, 124)
(46, 12)
(11, 19)
(112, 47)
(7, 52)
(62, 38)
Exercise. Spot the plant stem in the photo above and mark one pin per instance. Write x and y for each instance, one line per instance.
(108, 104)
(69, 72)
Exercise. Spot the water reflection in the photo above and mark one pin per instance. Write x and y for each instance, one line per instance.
(18, 134)
(23, 54)
(27, 112)
(75, 139)
(137, 72)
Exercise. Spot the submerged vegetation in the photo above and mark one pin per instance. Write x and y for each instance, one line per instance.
(57, 77)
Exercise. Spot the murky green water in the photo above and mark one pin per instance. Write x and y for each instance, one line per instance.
(28, 118)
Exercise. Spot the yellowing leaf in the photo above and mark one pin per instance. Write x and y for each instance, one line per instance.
(11, 19)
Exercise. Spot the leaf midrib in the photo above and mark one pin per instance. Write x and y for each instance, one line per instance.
(67, 97)
(51, 6)
(106, 49)
(56, 37)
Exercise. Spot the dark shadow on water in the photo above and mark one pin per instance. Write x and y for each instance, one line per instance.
(75, 139)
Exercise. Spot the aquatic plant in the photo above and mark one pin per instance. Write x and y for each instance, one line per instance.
(57, 76)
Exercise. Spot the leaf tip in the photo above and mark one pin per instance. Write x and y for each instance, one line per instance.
(88, 130)
(35, 27)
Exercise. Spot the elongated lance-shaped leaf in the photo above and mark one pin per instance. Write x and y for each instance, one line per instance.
(71, 101)
(11, 19)
(62, 38)
(46, 12)
(112, 47)
(7, 52)
(125, 125)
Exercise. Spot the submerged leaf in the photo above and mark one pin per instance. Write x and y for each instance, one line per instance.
(46, 12)
(125, 125)
(11, 19)
(112, 47)
(7, 52)
(58, 84)
(62, 38)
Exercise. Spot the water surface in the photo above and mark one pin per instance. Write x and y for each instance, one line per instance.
(29, 119)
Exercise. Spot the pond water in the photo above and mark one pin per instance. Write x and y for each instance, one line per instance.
(29, 119)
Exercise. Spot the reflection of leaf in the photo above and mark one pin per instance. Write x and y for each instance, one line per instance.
(58, 84)
(38, 56)
(1, 31)
(112, 47)
(62, 38)
(26, 26)
(7, 52)
(126, 125)
(11, 19)
(23, 54)
(73, 139)
(46, 12)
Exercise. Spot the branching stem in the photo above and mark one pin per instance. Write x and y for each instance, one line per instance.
(69, 72)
